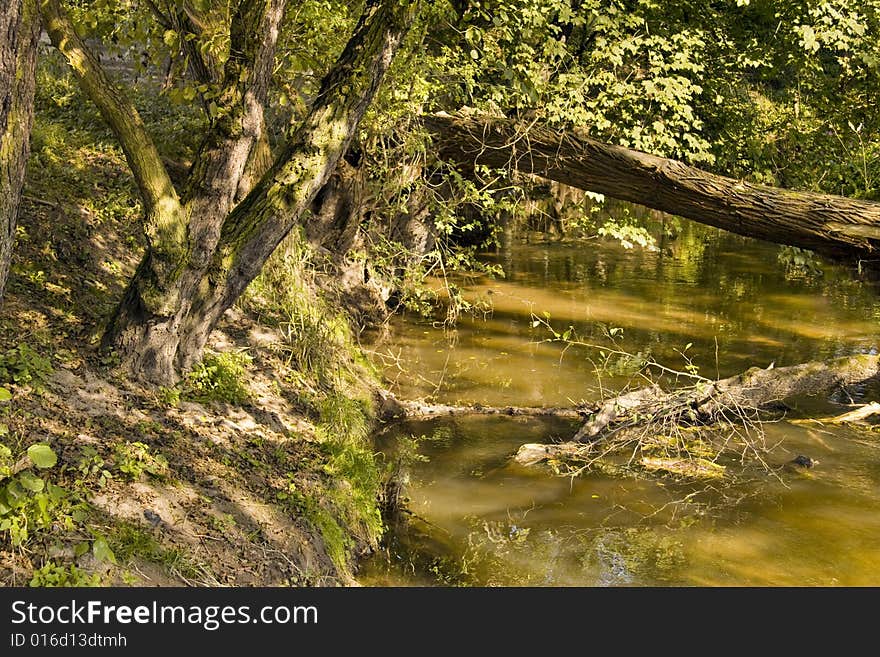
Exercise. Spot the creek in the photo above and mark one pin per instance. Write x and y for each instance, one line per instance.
(703, 299)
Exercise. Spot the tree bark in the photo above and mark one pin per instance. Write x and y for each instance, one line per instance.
(224, 154)
(390, 409)
(19, 32)
(835, 226)
(161, 326)
(164, 220)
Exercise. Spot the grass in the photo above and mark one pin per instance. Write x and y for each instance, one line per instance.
(129, 542)
(335, 380)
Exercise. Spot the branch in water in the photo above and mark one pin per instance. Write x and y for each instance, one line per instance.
(740, 397)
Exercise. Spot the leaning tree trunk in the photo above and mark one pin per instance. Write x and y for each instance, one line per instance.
(19, 32)
(835, 226)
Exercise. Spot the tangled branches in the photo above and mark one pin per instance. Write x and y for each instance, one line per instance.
(692, 430)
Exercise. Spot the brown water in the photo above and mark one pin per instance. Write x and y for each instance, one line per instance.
(475, 519)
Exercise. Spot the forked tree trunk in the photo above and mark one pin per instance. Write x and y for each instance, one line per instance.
(835, 226)
(19, 31)
(164, 321)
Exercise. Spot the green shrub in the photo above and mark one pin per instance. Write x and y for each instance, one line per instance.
(52, 574)
(21, 364)
(29, 502)
(220, 377)
(134, 459)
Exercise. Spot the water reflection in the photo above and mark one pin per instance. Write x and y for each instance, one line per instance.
(475, 519)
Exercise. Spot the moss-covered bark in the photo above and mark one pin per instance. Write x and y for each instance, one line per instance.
(165, 219)
(20, 28)
(164, 321)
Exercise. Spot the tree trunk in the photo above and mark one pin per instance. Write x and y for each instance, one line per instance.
(19, 32)
(162, 324)
(835, 226)
(390, 409)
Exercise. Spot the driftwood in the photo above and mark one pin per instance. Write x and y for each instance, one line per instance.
(391, 408)
(856, 416)
(706, 402)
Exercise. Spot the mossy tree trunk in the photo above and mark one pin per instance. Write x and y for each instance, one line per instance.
(835, 226)
(207, 244)
(19, 32)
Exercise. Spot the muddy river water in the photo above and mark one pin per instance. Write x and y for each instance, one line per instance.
(727, 303)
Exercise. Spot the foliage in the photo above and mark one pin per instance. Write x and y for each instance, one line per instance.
(23, 365)
(628, 233)
(29, 502)
(135, 459)
(52, 574)
(220, 377)
(780, 93)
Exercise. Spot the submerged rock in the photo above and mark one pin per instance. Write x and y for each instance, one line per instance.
(801, 461)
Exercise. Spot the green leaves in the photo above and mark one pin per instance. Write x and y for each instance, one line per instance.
(28, 502)
(170, 38)
(102, 552)
(808, 38)
(42, 455)
(31, 482)
(22, 364)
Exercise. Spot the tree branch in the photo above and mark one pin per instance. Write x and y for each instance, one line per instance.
(262, 219)
(121, 115)
(223, 155)
(198, 67)
(164, 20)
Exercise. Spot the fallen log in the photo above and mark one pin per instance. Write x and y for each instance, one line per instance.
(738, 397)
(842, 228)
(390, 408)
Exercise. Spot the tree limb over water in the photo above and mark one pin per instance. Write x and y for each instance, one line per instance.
(839, 227)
